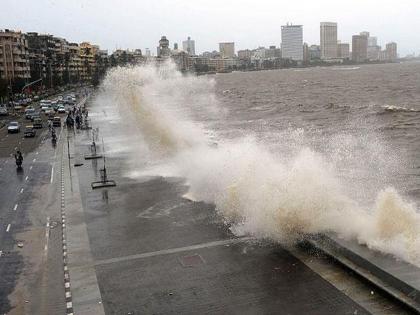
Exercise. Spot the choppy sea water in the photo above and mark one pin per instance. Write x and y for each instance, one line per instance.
(282, 153)
(373, 103)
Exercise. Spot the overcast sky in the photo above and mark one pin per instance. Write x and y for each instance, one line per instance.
(140, 23)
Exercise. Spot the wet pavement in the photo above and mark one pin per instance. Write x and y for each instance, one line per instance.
(157, 253)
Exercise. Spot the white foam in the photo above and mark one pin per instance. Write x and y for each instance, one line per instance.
(260, 192)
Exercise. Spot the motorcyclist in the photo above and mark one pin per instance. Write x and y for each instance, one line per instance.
(19, 158)
(53, 135)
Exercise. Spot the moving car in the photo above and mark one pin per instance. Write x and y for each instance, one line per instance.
(37, 123)
(57, 121)
(29, 132)
(13, 127)
(3, 111)
(29, 112)
(35, 115)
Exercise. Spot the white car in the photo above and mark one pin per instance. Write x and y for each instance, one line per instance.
(13, 127)
(61, 109)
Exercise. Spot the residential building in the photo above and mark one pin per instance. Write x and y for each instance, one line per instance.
(273, 52)
(372, 41)
(292, 42)
(328, 38)
(224, 64)
(227, 50)
(211, 54)
(87, 54)
(343, 50)
(391, 51)
(373, 52)
(359, 48)
(181, 59)
(14, 56)
(306, 54)
(189, 46)
(244, 54)
(314, 52)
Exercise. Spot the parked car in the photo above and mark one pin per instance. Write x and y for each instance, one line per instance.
(13, 127)
(57, 121)
(37, 123)
(29, 132)
(61, 110)
(3, 111)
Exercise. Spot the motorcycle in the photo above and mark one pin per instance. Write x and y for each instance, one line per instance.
(19, 161)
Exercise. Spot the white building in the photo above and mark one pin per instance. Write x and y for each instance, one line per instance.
(292, 42)
(328, 40)
(189, 46)
(227, 50)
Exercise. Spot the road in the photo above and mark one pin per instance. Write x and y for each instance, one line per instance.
(141, 248)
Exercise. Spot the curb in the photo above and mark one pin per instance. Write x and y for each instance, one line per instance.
(366, 270)
(67, 286)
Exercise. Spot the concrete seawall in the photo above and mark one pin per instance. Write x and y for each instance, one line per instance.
(397, 278)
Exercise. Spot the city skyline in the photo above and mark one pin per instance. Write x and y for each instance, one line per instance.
(123, 29)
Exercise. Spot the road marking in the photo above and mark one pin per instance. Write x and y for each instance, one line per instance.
(8, 228)
(47, 235)
(26, 177)
(173, 250)
(21, 190)
(52, 174)
(15, 207)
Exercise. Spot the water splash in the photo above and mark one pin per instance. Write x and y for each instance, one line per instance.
(256, 190)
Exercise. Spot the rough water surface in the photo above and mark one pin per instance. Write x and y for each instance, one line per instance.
(280, 153)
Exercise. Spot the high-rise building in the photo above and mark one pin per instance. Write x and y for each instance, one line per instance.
(373, 52)
(391, 51)
(189, 46)
(147, 52)
(227, 50)
(163, 50)
(372, 41)
(14, 56)
(292, 42)
(314, 52)
(306, 55)
(343, 50)
(328, 40)
(359, 48)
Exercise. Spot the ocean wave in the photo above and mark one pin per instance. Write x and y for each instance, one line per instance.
(256, 191)
(394, 108)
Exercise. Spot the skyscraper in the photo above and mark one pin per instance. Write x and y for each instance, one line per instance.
(227, 50)
(391, 51)
(292, 42)
(163, 49)
(328, 40)
(359, 48)
(189, 46)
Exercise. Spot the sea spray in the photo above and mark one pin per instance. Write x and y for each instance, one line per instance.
(256, 190)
